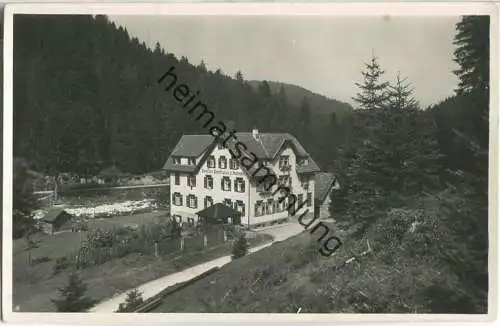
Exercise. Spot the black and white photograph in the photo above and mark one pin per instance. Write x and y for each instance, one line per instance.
(229, 163)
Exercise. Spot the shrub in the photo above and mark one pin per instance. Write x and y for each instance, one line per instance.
(73, 297)
(133, 301)
(61, 264)
(40, 260)
(240, 247)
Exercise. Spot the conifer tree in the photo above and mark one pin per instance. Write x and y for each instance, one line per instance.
(239, 76)
(73, 297)
(372, 94)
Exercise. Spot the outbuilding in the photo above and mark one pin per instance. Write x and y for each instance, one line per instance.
(324, 183)
(56, 219)
(219, 214)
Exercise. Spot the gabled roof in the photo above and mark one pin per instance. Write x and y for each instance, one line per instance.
(53, 214)
(323, 184)
(218, 210)
(192, 145)
(265, 147)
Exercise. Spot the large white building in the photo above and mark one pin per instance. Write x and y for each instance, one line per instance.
(203, 172)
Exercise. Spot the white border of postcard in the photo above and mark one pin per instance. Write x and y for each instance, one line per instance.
(326, 9)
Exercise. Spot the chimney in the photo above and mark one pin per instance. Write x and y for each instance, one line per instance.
(255, 133)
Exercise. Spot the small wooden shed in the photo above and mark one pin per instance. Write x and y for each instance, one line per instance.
(219, 214)
(56, 219)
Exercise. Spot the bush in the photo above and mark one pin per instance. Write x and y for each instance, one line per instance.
(61, 264)
(40, 260)
(133, 301)
(72, 296)
(240, 247)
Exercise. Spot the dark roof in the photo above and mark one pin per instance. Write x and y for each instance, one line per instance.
(218, 210)
(192, 145)
(265, 147)
(111, 171)
(323, 183)
(53, 214)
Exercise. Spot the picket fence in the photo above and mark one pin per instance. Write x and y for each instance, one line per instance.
(92, 256)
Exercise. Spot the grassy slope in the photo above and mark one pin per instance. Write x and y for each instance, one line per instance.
(290, 275)
(35, 286)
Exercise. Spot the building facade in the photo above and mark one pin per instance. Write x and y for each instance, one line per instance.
(203, 172)
(325, 184)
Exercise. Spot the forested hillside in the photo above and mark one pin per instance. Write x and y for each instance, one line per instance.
(318, 103)
(86, 97)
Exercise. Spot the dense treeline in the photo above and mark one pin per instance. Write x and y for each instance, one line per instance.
(431, 167)
(86, 97)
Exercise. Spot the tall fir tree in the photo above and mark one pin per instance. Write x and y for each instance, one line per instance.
(373, 91)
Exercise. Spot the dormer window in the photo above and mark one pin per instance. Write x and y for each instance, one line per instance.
(220, 146)
(191, 161)
(284, 162)
(211, 162)
(176, 160)
(222, 162)
(304, 161)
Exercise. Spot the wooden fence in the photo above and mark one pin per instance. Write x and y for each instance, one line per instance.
(91, 256)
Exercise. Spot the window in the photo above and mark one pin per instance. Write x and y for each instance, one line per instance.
(284, 180)
(176, 160)
(259, 208)
(191, 221)
(226, 184)
(177, 218)
(208, 201)
(191, 181)
(211, 162)
(239, 185)
(305, 183)
(234, 164)
(309, 199)
(220, 146)
(228, 202)
(270, 207)
(177, 179)
(305, 161)
(276, 206)
(240, 207)
(222, 162)
(191, 161)
(209, 182)
(192, 201)
(300, 199)
(283, 163)
(177, 199)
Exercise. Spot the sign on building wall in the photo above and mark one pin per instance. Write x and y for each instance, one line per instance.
(223, 172)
